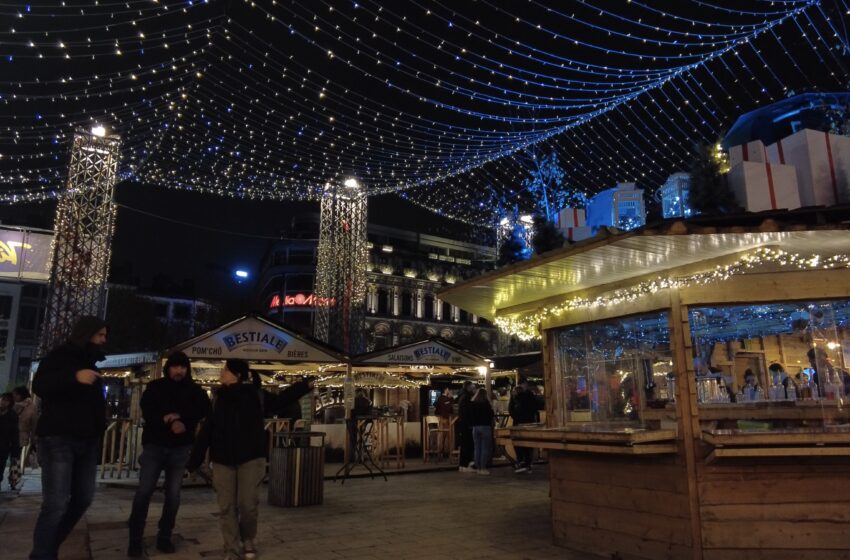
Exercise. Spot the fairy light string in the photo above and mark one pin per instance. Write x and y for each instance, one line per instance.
(525, 326)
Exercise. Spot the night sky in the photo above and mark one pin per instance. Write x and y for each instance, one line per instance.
(245, 110)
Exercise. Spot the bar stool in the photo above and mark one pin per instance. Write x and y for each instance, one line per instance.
(431, 426)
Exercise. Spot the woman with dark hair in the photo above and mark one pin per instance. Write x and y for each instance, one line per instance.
(481, 419)
(235, 434)
(69, 432)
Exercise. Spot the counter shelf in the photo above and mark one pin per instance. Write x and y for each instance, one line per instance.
(591, 438)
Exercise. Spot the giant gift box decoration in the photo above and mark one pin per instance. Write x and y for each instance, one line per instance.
(751, 151)
(571, 217)
(822, 162)
(760, 186)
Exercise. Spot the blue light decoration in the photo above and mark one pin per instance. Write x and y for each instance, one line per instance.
(441, 104)
(621, 207)
(673, 195)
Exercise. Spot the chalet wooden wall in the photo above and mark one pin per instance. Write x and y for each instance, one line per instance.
(636, 507)
(775, 509)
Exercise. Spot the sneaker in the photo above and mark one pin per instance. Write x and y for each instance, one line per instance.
(250, 551)
(521, 469)
(135, 550)
(471, 465)
(483, 471)
(165, 546)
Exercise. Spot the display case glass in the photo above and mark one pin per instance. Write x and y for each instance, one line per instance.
(611, 370)
(788, 351)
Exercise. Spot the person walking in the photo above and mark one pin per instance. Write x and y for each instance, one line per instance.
(464, 429)
(69, 431)
(481, 419)
(8, 435)
(27, 418)
(171, 407)
(524, 410)
(234, 433)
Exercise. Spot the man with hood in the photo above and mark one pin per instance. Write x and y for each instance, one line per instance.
(69, 431)
(171, 407)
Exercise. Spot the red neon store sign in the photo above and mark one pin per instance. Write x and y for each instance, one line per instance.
(301, 300)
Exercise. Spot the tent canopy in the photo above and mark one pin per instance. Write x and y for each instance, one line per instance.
(267, 344)
(432, 356)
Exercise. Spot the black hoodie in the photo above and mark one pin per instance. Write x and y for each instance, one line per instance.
(71, 408)
(165, 396)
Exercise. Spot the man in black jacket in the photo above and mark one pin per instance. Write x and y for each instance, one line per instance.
(171, 407)
(524, 409)
(71, 426)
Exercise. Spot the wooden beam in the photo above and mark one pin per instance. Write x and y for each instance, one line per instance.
(688, 420)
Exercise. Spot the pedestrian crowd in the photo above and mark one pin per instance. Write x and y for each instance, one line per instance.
(476, 419)
(183, 430)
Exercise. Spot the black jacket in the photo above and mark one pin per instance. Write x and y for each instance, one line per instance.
(235, 431)
(524, 408)
(463, 402)
(8, 432)
(164, 396)
(69, 408)
(480, 413)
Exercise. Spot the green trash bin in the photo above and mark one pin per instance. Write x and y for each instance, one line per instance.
(297, 469)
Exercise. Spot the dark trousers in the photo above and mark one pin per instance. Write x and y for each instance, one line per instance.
(524, 455)
(5, 452)
(68, 471)
(156, 459)
(467, 446)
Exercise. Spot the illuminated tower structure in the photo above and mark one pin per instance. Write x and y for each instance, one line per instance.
(82, 244)
(341, 269)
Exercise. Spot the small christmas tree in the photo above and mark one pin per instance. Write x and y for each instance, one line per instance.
(709, 190)
(546, 236)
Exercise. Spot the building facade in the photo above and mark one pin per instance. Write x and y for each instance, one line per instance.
(405, 270)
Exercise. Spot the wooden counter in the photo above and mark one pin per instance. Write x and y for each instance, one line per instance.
(589, 438)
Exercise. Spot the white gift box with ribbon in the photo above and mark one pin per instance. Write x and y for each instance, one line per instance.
(751, 151)
(822, 163)
(571, 217)
(760, 186)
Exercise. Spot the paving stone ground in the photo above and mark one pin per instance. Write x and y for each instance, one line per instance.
(437, 515)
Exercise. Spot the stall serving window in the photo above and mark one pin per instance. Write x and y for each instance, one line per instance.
(613, 369)
(789, 351)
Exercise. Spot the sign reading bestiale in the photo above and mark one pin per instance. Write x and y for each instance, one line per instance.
(252, 339)
(430, 352)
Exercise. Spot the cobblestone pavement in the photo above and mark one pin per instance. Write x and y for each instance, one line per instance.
(438, 515)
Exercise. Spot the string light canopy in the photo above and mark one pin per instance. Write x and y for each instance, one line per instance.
(441, 103)
(526, 326)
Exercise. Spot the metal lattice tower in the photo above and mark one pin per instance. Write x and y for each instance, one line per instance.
(82, 243)
(341, 271)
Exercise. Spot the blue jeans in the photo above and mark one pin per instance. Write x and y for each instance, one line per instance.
(68, 472)
(482, 437)
(154, 460)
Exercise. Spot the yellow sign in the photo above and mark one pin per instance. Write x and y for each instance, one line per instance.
(8, 252)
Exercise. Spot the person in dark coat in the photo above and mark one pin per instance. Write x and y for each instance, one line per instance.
(481, 418)
(171, 407)
(69, 431)
(466, 462)
(9, 442)
(524, 409)
(234, 433)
